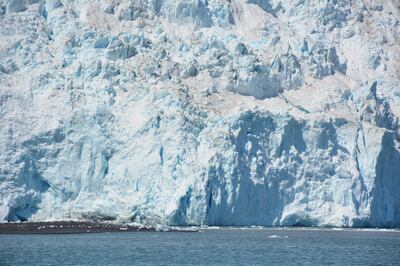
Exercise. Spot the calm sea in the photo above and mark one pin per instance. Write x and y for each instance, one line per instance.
(208, 247)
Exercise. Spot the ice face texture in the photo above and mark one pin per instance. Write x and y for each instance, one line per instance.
(193, 112)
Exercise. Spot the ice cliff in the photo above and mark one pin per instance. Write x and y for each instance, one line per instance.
(196, 112)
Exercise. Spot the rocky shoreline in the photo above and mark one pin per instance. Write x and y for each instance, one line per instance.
(69, 227)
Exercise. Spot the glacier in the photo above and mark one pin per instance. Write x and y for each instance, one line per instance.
(196, 112)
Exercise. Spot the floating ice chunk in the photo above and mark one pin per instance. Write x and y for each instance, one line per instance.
(277, 236)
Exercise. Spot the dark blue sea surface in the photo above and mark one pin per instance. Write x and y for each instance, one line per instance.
(207, 247)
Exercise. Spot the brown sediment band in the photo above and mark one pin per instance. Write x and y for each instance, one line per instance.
(68, 227)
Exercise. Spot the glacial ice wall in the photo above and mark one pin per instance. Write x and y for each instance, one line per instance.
(196, 112)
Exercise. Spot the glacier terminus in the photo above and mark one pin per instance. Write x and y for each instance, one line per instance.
(201, 112)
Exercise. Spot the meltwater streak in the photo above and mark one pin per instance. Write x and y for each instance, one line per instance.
(258, 246)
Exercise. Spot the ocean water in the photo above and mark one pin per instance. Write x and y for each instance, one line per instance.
(208, 247)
